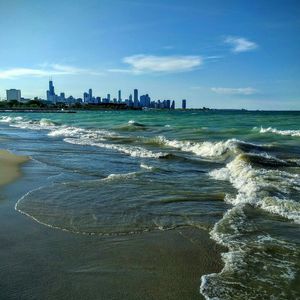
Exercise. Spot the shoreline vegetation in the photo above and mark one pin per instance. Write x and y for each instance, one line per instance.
(44, 106)
(41, 106)
(10, 166)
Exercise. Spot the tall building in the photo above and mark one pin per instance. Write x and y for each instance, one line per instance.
(51, 87)
(183, 104)
(108, 97)
(119, 96)
(86, 97)
(173, 105)
(51, 92)
(62, 97)
(90, 95)
(13, 94)
(168, 104)
(135, 98)
(145, 101)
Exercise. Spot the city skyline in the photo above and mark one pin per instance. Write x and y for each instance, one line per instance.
(215, 54)
(135, 101)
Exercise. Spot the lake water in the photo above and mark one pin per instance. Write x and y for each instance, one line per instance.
(234, 174)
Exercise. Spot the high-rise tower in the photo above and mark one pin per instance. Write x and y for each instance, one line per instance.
(119, 96)
(90, 95)
(51, 92)
(135, 98)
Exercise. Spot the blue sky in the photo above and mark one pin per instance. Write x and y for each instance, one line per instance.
(219, 54)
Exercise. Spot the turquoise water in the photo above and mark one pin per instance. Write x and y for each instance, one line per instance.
(234, 174)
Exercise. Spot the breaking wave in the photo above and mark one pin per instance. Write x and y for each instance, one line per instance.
(208, 149)
(133, 151)
(250, 272)
(146, 167)
(132, 126)
(281, 132)
(261, 187)
(20, 122)
(71, 131)
(248, 246)
(82, 136)
(7, 119)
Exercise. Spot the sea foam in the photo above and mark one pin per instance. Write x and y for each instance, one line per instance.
(253, 186)
(133, 151)
(205, 148)
(248, 246)
(281, 132)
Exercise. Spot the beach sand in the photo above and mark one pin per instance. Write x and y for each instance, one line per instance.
(10, 166)
(50, 264)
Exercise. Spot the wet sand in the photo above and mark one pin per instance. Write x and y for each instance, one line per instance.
(10, 166)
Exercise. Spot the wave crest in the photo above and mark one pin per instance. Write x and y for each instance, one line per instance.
(281, 132)
(208, 149)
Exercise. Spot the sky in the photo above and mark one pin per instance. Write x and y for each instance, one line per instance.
(217, 54)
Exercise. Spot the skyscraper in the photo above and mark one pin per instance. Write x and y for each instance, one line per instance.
(90, 95)
(51, 93)
(173, 105)
(168, 104)
(135, 98)
(85, 97)
(51, 88)
(119, 96)
(183, 104)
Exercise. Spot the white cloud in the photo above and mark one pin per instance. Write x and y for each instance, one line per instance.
(234, 91)
(45, 70)
(240, 44)
(161, 64)
(19, 72)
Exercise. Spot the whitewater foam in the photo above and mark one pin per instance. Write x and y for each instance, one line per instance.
(7, 119)
(147, 167)
(133, 151)
(70, 131)
(281, 132)
(248, 245)
(205, 149)
(253, 186)
(248, 248)
(133, 122)
(42, 124)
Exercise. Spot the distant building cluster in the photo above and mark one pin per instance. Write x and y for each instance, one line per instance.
(133, 101)
(144, 101)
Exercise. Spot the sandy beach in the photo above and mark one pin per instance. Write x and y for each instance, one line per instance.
(10, 166)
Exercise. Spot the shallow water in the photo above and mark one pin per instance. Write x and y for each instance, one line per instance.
(234, 174)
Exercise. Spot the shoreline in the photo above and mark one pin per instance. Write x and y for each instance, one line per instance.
(152, 265)
(42, 262)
